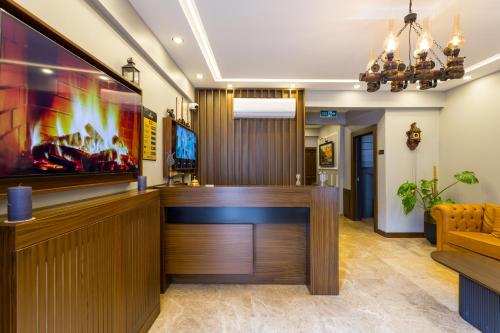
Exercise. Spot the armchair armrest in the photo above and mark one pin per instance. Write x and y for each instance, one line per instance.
(468, 217)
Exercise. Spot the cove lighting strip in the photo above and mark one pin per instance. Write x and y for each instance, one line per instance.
(483, 63)
(193, 17)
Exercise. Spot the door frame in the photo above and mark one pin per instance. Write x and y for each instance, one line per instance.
(368, 130)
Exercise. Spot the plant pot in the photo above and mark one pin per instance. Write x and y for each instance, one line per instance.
(430, 228)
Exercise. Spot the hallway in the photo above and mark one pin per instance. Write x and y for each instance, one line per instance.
(387, 285)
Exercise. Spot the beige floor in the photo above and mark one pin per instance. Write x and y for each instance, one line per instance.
(387, 285)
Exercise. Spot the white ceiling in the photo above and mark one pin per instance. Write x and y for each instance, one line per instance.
(320, 40)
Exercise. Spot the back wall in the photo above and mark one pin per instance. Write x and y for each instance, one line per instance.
(248, 151)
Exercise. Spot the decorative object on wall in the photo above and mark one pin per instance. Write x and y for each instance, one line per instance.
(414, 136)
(19, 204)
(427, 195)
(248, 151)
(327, 155)
(399, 75)
(170, 113)
(150, 129)
(130, 72)
(297, 182)
(142, 183)
(66, 117)
(170, 161)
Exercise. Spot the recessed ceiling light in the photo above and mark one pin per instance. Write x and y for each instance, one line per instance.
(199, 76)
(357, 86)
(292, 86)
(467, 77)
(229, 86)
(104, 77)
(47, 71)
(177, 40)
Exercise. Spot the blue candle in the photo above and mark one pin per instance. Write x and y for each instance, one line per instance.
(19, 205)
(142, 183)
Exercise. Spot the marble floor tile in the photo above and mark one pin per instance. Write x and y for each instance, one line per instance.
(387, 285)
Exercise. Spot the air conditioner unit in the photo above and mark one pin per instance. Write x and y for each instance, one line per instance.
(277, 108)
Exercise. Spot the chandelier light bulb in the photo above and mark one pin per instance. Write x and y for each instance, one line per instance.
(457, 37)
(391, 43)
(424, 42)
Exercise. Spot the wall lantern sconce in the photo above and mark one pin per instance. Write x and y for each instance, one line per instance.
(130, 72)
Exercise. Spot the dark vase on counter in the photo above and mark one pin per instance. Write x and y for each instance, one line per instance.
(429, 228)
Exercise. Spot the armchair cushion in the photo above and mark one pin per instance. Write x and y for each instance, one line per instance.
(491, 221)
(479, 242)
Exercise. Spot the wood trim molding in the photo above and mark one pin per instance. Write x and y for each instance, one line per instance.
(400, 234)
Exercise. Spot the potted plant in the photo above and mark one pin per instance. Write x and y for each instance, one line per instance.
(426, 195)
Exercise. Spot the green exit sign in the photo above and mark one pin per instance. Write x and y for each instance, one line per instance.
(328, 114)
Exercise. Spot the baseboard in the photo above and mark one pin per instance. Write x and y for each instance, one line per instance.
(400, 234)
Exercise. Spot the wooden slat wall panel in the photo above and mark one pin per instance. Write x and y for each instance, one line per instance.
(324, 245)
(103, 277)
(248, 151)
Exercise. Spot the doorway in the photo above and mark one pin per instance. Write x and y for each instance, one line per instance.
(364, 175)
(311, 166)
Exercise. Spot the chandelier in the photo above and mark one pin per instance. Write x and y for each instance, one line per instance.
(424, 71)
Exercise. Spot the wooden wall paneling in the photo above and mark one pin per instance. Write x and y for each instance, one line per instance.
(8, 276)
(99, 274)
(280, 253)
(248, 151)
(209, 249)
(324, 236)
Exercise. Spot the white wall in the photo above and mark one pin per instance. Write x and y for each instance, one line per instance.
(80, 23)
(311, 142)
(334, 133)
(400, 164)
(470, 139)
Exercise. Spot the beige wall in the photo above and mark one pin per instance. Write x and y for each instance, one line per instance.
(80, 23)
(400, 164)
(470, 139)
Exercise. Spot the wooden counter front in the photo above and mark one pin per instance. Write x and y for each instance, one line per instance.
(92, 265)
(298, 252)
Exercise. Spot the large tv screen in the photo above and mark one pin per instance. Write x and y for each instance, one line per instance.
(58, 113)
(185, 144)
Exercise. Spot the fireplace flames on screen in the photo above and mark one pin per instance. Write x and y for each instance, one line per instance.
(86, 139)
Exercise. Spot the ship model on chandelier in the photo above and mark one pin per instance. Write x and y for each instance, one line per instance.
(424, 71)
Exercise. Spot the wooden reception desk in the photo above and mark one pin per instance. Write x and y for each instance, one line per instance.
(255, 234)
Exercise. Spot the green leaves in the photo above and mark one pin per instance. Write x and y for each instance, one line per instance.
(406, 189)
(466, 177)
(427, 195)
(426, 186)
(408, 193)
(409, 203)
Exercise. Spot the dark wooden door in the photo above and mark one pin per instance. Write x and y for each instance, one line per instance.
(311, 167)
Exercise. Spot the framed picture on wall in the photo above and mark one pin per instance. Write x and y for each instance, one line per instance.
(326, 155)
